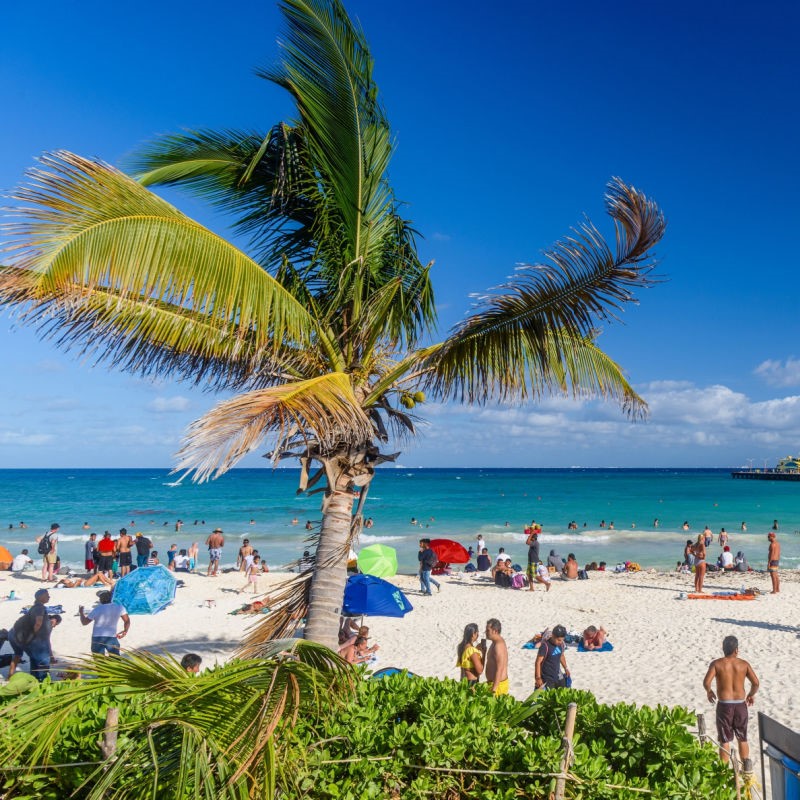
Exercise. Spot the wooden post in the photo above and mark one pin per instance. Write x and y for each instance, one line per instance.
(735, 764)
(108, 745)
(566, 759)
(749, 782)
(701, 728)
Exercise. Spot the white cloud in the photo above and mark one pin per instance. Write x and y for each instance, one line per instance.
(777, 373)
(438, 236)
(688, 425)
(162, 405)
(22, 439)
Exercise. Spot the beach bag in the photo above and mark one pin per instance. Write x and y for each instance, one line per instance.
(583, 575)
(519, 581)
(45, 545)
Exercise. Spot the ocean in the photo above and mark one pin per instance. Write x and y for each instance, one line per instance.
(261, 505)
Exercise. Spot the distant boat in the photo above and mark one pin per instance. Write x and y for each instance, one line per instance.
(787, 469)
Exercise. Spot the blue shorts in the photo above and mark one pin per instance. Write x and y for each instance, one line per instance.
(103, 644)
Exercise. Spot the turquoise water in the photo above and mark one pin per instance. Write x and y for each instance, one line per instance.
(452, 503)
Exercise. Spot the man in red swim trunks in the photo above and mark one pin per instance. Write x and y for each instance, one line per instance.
(730, 673)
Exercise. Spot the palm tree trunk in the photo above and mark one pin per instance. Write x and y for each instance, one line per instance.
(330, 574)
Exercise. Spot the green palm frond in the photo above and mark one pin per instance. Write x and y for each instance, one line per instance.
(259, 179)
(93, 246)
(327, 68)
(323, 409)
(508, 342)
(209, 735)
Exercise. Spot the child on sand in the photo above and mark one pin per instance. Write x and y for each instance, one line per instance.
(252, 573)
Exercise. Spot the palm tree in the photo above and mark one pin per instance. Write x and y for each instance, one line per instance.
(326, 327)
(211, 735)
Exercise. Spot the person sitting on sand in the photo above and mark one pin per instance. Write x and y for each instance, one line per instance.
(484, 563)
(470, 655)
(740, 562)
(543, 576)
(688, 553)
(725, 560)
(504, 574)
(181, 561)
(357, 651)
(348, 629)
(554, 560)
(570, 571)
(152, 559)
(594, 638)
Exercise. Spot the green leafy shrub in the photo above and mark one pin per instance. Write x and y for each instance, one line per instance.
(397, 724)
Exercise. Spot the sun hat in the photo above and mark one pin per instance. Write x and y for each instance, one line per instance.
(138, 533)
(217, 530)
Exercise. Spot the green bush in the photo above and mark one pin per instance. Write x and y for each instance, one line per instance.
(372, 745)
(401, 721)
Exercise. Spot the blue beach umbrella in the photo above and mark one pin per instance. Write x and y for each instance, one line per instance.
(146, 590)
(366, 594)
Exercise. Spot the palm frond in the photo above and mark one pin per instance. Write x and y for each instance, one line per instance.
(328, 70)
(94, 248)
(209, 735)
(508, 342)
(260, 179)
(323, 409)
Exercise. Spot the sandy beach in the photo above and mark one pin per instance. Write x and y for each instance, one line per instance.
(662, 644)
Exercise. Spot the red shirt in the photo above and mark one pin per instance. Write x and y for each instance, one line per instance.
(106, 546)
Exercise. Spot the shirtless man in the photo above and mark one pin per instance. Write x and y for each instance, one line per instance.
(245, 550)
(773, 562)
(124, 544)
(570, 571)
(732, 704)
(496, 658)
(215, 543)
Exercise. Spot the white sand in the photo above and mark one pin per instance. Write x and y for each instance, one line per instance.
(662, 645)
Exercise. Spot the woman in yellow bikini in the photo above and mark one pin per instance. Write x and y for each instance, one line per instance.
(470, 656)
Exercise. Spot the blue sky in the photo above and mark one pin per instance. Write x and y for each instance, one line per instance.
(509, 121)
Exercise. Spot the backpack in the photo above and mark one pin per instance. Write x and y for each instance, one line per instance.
(23, 631)
(45, 545)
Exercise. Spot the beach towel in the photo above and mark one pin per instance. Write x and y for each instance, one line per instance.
(722, 597)
(59, 609)
(607, 647)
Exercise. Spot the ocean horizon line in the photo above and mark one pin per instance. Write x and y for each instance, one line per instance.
(171, 470)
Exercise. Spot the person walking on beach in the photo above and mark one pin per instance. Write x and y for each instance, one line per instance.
(124, 544)
(774, 561)
(48, 550)
(532, 541)
(496, 658)
(730, 673)
(251, 574)
(215, 543)
(427, 561)
(194, 551)
(143, 548)
(550, 660)
(106, 617)
(31, 636)
(699, 552)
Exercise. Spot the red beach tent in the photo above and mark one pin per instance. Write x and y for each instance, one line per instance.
(449, 552)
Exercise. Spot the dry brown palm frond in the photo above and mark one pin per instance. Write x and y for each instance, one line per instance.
(323, 409)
